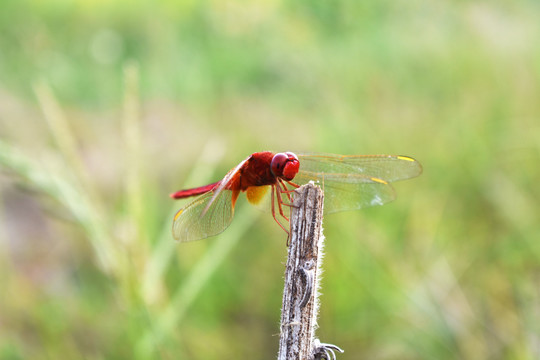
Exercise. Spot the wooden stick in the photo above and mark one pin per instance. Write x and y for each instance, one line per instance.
(300, 297)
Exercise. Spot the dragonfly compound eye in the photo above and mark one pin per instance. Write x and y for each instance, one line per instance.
(278, 164)
(285, 166)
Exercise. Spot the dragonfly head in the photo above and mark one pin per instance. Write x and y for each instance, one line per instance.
(285, 165)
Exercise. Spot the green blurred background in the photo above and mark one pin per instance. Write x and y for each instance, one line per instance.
(108, 106)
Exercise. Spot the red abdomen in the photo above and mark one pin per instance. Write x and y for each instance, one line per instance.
(194, 192)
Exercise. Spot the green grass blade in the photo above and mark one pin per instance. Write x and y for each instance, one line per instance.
(187, 293)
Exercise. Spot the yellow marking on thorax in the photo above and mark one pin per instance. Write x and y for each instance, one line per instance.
(255, 194)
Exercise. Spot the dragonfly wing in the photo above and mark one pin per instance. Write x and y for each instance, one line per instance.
(261, 197)
(226, 182)
(344, 192)
(208, 215)
(386, 167)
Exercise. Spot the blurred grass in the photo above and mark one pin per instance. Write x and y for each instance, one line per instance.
(106, 107)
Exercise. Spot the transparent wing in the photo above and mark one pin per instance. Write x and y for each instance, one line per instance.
(261, 198)
(344, 192)
(204, 217)
(386, 167)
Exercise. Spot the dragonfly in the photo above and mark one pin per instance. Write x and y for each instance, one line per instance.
(350, 182)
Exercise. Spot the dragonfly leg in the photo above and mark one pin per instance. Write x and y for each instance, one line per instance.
(281, 212)
(288, 193)
(293, 184)
(285, 190)
(280, 202)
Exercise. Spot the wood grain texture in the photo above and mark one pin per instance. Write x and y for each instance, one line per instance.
(300, 297)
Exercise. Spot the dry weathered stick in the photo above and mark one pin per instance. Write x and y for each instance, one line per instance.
(300, 297)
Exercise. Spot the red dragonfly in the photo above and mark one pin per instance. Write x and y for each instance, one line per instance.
(349, 182)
